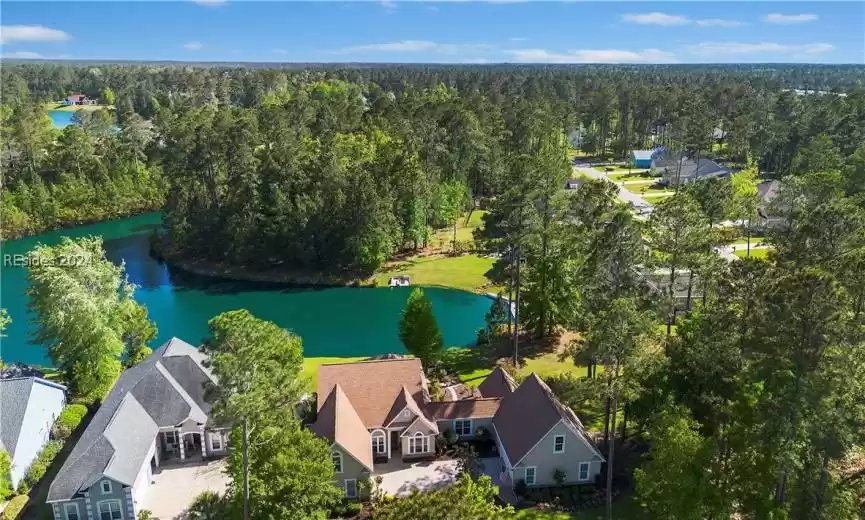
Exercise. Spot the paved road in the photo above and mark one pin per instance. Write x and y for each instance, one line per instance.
(627, 196)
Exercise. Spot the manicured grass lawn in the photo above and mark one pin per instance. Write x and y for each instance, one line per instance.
(655, 199)
(623, 176)
(466, 226)
(74, 108)
(624, 508)
(472, 370)
(465, 272)
(762, 253)
(744, 243)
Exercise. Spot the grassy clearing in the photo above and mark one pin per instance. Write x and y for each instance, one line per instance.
(744, 243)
(762, 253)
(466, 226)
(624, 508)
(467, 272)
(621, 177)
(60, 107)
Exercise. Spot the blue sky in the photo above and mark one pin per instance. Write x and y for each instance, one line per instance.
(451, 32)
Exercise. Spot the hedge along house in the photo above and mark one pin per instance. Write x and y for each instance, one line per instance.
(156, 414)
(28, 408)
(374, 411)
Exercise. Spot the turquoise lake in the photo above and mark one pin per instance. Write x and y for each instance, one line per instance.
(332, 322)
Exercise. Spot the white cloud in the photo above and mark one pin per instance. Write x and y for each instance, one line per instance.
(655, 18)
(593, 56)
(732, 48)
(24, 55)
(31, 33)
(517, 39)
(417, 46)
(279, 51)
(193, 46)
(211, 3)
(388, 4)
(790, 18)
(719, 22)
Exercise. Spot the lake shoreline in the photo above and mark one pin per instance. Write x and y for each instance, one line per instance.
(82, 222)
(160, 250)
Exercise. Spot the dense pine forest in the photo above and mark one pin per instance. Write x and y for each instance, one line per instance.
(747, 401)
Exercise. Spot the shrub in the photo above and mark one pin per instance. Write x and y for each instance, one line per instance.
(520, 488)
(145, 514)
(559, 476)
(68, 421)
(346, 509)
(40, 465)
(15, 507)
(5, 467)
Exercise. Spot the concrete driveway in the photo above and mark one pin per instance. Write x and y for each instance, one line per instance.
(176, 486)
(401, 478)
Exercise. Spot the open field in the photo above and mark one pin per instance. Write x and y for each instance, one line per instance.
(762, 253)
(466, 226)
(59, 107)
(465, 272)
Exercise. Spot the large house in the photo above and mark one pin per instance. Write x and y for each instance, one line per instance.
(681, 169)
(28, 408)
(156, 413)
(374, 411)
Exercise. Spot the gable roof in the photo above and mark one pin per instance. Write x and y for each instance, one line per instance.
(464, 409)
(339, 422)
(145, 397)
(642, 155)
(497, 384)
(403, 400)
(15, 397)
(527, 415)
(373, 387)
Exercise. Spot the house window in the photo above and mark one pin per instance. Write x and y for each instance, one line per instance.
(378, 442)
(559, 444)
(406, 413)
(171, 439)
(350, 488)
(418, 444)
(109, 510)
(584, 471)
(216, 442)
(71, 511)
(530, 475)
(337, 461)
(106, 487)
(463, 426)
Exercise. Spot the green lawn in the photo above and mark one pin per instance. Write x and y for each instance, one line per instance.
(744, 242)
(623, 176)
(466, 226)
(467, 272)
(74, 108)
(624, 508)
(655, 199)
(762, 253)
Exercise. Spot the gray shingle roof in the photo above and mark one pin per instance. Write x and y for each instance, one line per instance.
(145, 398)
(15, 394)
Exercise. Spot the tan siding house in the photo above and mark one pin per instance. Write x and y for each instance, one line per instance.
(560, 449)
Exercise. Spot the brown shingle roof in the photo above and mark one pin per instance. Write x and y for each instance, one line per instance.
(497, 384)
(373, 386)
(526, 415)
(465, 409)
(403, 400)
(338, 422)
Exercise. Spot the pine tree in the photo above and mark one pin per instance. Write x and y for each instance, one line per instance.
(418, 329)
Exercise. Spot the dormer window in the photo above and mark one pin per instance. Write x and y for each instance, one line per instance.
(105, 486)
(406, 413)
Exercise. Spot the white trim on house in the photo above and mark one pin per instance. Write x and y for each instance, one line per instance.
(110, 511)
(431, 426)
(583, 438)
(471, 430)
(68, 506)
(574, 431)
(580, 466)
(353, 488)
(556, 441)
(534, 475)
(333, 456)
(216, 438)
(379, 434)
(102, 486)
(424, 444)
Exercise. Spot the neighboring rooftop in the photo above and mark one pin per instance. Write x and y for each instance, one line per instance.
(373, 387)
(163, 390)
(15, 396)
